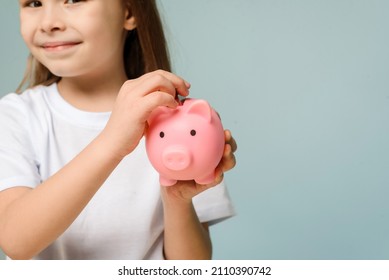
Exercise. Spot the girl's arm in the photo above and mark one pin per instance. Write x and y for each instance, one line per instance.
(185, 237)
(31, 219)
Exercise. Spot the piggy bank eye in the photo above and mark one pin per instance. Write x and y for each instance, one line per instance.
(193, 132)
(161, 134)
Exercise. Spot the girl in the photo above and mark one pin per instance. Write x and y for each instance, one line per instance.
(75, 182)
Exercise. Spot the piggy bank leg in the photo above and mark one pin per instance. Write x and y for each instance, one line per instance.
(206, 179)
(166, 182)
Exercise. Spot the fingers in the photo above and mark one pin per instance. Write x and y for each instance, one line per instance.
(154, 100)
(230, 140)
(155, 83)
(228, 160)
(158, 88)
(165, 81)
(219, 175)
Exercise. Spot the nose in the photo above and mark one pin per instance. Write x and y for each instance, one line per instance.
(52, 19)
(176, 158)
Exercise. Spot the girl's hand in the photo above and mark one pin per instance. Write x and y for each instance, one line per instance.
(184, 191)
(135, 101)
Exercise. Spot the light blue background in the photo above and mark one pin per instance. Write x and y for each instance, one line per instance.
(304, 87)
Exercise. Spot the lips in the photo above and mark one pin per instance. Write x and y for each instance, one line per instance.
(58, 46)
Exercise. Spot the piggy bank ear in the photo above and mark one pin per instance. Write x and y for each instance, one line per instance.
(158, 113)
(200, 107)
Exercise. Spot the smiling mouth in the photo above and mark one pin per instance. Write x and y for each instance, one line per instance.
(59, 46)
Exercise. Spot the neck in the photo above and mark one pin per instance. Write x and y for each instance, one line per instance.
(93, 94)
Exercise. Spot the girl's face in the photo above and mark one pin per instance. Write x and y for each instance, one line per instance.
(74, 38)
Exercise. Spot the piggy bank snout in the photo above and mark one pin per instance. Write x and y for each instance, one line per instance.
(176, 158)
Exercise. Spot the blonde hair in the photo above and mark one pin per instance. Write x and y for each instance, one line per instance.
(145, 48)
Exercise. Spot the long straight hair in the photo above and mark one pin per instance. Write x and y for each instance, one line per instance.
(145, 48)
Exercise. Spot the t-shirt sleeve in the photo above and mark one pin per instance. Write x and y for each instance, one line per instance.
(214, 204)
(18, 166)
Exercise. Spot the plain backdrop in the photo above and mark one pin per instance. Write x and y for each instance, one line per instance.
(304, 87)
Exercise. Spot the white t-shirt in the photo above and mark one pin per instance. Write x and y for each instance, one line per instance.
(41, 132)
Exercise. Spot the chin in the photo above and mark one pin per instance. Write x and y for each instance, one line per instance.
(65, 73)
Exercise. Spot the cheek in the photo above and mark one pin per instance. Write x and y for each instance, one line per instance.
(101, 23)
(29, 22)
(104, 40)
(26, 32)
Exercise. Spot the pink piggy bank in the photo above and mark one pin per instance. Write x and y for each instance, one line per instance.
(185, 143)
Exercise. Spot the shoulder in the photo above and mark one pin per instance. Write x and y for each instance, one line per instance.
(26, 111)
(27, 99)
(32, 102)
